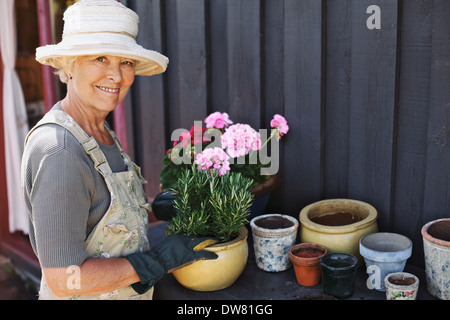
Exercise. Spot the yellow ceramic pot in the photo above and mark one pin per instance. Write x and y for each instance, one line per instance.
(338, 224)
(211, 275)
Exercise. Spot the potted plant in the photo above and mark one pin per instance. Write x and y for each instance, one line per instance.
(212, 171)
(213, 205)
(244, 151)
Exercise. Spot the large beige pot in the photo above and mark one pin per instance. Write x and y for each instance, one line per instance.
(338, 224)
(211, 275)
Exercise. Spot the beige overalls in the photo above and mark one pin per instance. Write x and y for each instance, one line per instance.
(123, 228)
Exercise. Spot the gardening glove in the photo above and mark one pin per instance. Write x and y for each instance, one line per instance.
(162, 206)
(175, 252)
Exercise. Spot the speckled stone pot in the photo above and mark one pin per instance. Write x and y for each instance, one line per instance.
(272, 245)
(436, 245)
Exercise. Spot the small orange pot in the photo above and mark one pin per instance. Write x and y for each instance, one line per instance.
(305, 258)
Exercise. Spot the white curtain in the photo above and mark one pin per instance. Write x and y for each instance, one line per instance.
(15, 124)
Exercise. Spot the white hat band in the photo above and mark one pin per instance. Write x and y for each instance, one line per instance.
(79, 21)
(123, 33)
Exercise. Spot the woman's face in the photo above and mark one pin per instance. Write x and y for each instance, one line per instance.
(101, 82)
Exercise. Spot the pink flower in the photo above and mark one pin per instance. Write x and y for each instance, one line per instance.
(214, 160)
(239, 139)
(279, 122)
(185, 139)
(218, 120)
(197, 135)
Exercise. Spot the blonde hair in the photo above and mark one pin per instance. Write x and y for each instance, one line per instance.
(66, 62)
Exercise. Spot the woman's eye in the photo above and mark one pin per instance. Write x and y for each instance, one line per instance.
(101, 59)
(128, 63)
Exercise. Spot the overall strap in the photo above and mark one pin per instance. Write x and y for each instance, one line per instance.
(89, 143)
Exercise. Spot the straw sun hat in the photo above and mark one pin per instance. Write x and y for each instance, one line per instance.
(102, 27)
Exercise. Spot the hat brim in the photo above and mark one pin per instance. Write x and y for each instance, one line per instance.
(147, 62)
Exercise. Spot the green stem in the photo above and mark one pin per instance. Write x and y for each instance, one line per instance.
(265, 143)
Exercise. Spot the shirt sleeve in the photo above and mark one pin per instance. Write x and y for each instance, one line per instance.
(60, 201)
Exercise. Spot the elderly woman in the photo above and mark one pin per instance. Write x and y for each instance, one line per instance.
(87, 208)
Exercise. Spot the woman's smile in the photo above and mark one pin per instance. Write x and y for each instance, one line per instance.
(108, 90)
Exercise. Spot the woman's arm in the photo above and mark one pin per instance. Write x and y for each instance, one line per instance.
(94, 276)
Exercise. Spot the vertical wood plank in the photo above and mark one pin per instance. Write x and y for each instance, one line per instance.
(45, 38)
(372, 106)
(437, 186)
(273, 77)
(303, 103)
(187, 51)
(414, 102)
(147, 101)
(338, 81)
(273, 84)
(244, 61)
(218, 41)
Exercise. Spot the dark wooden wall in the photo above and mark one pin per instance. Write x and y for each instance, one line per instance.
(369, 109)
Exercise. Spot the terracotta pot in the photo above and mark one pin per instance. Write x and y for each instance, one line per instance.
(401, 286)
(436, 245)
(338, 224)
(273, 236)
(305, 258)
(212, 275)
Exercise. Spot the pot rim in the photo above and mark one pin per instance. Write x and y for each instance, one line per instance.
(308, 223)
(399, 286)
(281, 230)
(307, 261)
(432, 239)
(388, 256)
(342, 254)
(230, 244)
